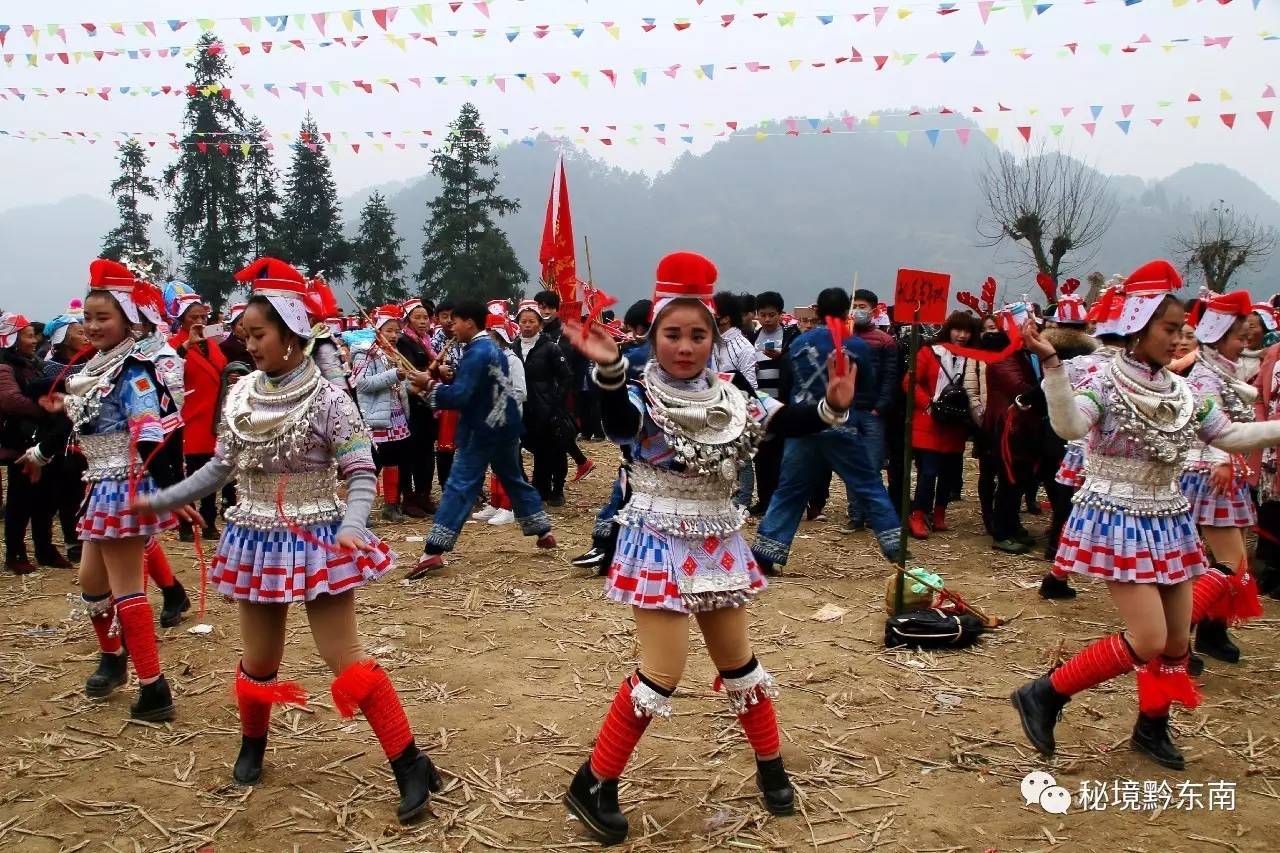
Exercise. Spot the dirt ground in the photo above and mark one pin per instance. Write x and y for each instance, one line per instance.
(506, 662)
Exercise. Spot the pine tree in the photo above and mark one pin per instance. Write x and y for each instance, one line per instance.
(465, 253)
(261, 187)
(376, 262)
(209, 210)
(311, 220)
(129, 238)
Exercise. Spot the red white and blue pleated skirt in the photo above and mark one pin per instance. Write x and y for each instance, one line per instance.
(1115, 546)
(106, 513)
(1210, 509)
(278, 566)
(1071, 470)
(646, 562)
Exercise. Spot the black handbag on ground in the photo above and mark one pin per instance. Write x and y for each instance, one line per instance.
(932, 629)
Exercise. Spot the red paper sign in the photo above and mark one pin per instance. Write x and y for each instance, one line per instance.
(926, 290)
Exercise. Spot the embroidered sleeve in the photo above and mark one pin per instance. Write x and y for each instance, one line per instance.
(349, 440)
(141, 402)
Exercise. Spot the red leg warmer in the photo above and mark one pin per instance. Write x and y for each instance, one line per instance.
(1163, 682)
(1210, 597)
(137, 624)
(621, 730)
(365, 685)
(255, 696)
(1100, 661)
(102, 614)
(156, 562)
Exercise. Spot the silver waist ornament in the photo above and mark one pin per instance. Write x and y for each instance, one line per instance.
(1136, 487)
(107, 456)
(710, 430)
(680, 506)
(307, 498)
(1160, 418)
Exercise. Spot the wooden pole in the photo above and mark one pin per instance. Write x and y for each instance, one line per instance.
(912, 352)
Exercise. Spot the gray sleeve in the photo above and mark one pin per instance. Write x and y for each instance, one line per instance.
(212, 476)
(361, 486)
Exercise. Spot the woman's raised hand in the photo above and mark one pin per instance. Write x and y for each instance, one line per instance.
(1036, 342)
(597, 345)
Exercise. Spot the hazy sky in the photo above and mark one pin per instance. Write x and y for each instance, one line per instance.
(37, 171)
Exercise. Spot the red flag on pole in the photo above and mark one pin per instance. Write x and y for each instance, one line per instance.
(557, 253)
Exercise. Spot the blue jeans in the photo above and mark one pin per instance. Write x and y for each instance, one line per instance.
(465, 479)
(803, 462)
(746, 484)
(870, 430)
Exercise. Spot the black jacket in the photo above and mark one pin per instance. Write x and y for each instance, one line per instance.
(546, 376)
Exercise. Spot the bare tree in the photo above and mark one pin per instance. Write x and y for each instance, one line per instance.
(1219, 242)
(1052, 206)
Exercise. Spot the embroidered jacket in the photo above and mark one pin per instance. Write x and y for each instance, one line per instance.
(481, 391)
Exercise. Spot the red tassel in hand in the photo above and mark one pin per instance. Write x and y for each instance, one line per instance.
(597, 301)
(838, 333)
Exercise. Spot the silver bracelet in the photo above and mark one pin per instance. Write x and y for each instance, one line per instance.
(830, 416)
(612, 376)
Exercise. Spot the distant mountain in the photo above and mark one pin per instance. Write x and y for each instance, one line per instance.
(793, 214)
(48, 248)
(800, 214)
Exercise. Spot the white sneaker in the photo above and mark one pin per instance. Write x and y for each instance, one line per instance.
(485, 514)
(503, 516)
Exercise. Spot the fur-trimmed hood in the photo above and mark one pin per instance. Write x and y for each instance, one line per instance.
(1070, 343)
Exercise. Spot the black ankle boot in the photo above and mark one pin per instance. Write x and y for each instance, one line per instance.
(154, 703)
(112, 672)
(1212, 639)
(775, 786)
(1151, 738)
(595, 802)
(1055, 587)
(248, 768)
(175, 604)
(1039, 706)
(416, 777)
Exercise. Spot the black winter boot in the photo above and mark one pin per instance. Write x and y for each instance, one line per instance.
(1212, 639)
(248, 768)
(1054, 587)
(595, 802)
(1151, 738)
(176, 603)
(154, 703)
(112, 672)
(775, 786)
(416, 777)
(1039, 707)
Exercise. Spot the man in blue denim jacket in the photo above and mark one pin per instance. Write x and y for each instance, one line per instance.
(489, 430)
(839, 449)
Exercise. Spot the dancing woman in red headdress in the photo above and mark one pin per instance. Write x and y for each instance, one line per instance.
(680, 549)
(1131, 526)
(118, 406)
(287, 435)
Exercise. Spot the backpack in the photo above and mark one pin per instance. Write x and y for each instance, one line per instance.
(951, 408)
(932, 629)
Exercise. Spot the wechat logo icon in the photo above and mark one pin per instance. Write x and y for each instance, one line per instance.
(1041, 788)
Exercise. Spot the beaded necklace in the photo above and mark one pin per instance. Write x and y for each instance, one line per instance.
(1157, 414)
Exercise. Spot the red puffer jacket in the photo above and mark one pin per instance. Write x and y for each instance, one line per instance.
(927, 434)
(202, 380)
